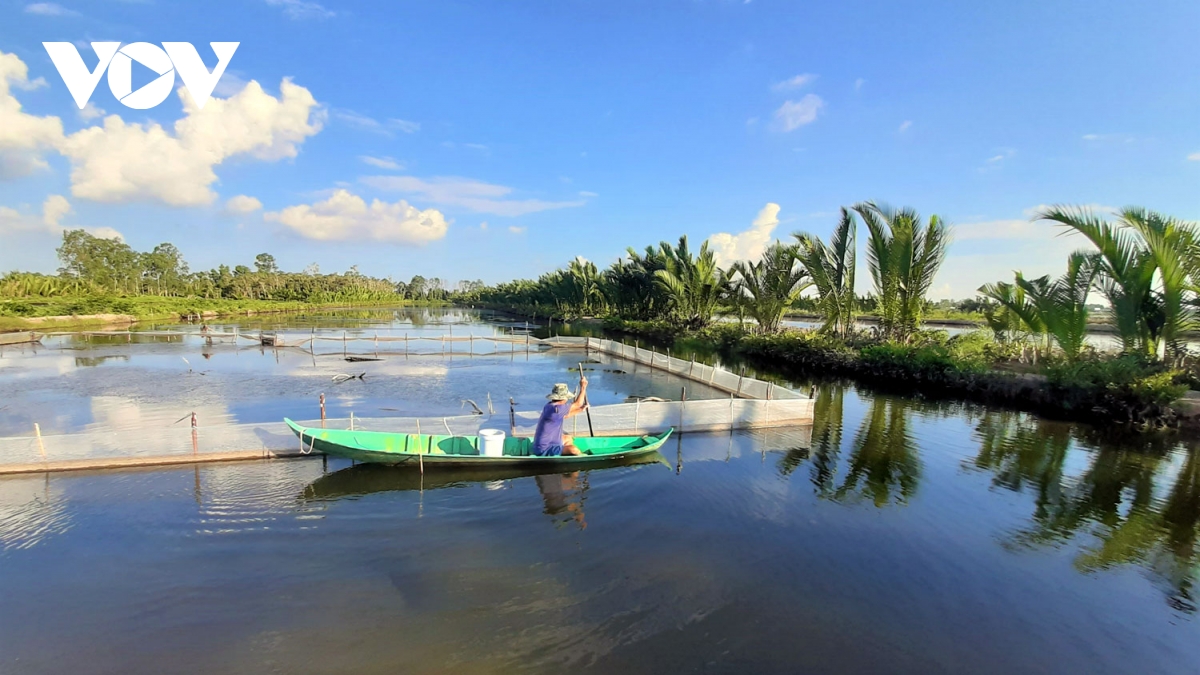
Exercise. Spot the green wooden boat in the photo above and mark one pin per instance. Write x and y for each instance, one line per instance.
(458, 451)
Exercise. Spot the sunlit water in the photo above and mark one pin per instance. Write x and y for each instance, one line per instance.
(894, 536)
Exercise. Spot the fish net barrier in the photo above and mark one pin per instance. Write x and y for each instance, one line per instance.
(752, 403)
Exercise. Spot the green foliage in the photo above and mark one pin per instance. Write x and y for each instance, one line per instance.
(904, 255)
(1131, 379)
(832, 270)
(1146, 267)
(770, 285)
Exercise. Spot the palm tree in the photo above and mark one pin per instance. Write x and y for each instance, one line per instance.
(1144, 262)
(832, 270)
(693, 284)
(1055, 309)
(770, 285)
(904, 254)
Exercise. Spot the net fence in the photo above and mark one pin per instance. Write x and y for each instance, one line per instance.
(752, 403)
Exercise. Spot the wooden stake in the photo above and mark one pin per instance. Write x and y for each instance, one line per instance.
(420, 454)
(322, 410)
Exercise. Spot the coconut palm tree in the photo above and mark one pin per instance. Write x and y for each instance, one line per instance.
(693, 284)
(904, 254)
(770, 285)
(1146, 268)
(832, 270)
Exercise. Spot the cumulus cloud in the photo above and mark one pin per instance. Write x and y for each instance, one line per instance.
(795, 114)
(382, 162)
(121, 162)
(54, 209)
(466, 193)
(517, 229)
(749, 244)
(242, 204)
(795, 82)
(345, 216)
(1195, 157)
(23, 137)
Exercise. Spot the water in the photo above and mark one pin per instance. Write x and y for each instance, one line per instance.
(894, 536)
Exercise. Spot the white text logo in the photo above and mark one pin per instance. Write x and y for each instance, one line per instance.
(179, 57)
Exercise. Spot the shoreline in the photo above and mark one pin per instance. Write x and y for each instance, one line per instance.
(16, 324)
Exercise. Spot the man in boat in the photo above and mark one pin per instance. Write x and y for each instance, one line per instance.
(549, 440)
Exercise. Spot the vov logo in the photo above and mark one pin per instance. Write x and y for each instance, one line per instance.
(178, 57)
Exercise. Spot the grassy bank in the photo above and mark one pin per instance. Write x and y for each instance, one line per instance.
(1101, 389)
(76, 312)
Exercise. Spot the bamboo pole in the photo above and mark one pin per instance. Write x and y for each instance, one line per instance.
(420, 454)
(322, 410)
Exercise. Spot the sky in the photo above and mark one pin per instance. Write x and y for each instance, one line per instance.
(499, 140)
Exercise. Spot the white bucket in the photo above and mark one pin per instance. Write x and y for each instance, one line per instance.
(491, 442)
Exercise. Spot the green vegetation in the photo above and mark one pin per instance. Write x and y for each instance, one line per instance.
(1146, 265)
(106, 276)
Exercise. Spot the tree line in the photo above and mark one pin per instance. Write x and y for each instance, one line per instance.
(93, 265)
(673, 283)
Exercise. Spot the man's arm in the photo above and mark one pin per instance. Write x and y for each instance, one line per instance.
(579, 403)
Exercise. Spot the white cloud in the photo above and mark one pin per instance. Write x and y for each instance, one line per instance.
(483, 225)
(905, 126)
(749, 244)
(301, 9)
(858, 84)
(365, 123)
(49, 9)
(1195, 157)
(405, 126)
(90, 112)
(1109, 138)
(23, 137)
(517, 229)
(795, 82)
(467, 193)
(585, 193)
(346, 216)
(120, 162)
(795, 114)
(242, 204)
(230, 84)
(54, 209)
(382, 162)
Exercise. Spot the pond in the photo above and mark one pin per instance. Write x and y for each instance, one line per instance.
(894, 535)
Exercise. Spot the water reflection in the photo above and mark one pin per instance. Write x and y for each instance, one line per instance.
(1134, 503)
(563, 494)
(883, 465)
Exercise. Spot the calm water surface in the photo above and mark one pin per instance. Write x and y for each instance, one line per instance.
(894, 536)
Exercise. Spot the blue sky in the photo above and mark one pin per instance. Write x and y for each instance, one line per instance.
(579, 128)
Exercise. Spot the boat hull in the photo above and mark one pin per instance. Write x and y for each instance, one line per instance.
(348, 444)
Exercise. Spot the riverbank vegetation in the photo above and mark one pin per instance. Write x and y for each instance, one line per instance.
(1033, 355)
(102, 278)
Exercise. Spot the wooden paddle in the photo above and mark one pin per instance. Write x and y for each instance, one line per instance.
(586, 409)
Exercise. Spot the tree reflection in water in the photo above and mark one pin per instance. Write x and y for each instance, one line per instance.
(883, 466)
(1136, 500)
(1118, 508)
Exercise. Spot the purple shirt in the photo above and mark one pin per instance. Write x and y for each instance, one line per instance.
(549, 426)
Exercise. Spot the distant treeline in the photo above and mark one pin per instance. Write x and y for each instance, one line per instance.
(93, 265)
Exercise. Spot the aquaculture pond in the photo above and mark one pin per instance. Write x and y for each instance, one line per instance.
(894, 535)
